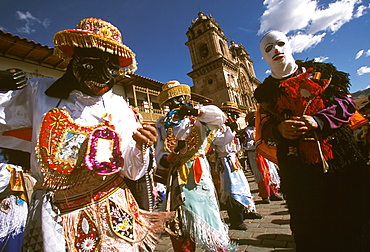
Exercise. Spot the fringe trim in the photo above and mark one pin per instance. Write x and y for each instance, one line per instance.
(71, 38)
(230, 198)
(206, 236)
(146, 234)
(56, 181)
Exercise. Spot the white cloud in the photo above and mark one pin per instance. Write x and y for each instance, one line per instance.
(30, 22)
(362, 52)
(333, 17)
(359, 54)
(286, 15)
(309, 18)
(363, 70)
(361, 10)
(301, 42)
(321, 59)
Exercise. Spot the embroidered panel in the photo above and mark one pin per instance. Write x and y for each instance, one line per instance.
(87, 237)
(192, 143)
(61, 149)
(122, 223)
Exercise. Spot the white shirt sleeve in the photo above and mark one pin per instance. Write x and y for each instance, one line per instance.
(15, 110)
(223, 136)
(212, 116)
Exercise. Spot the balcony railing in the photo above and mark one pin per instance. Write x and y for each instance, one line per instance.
(150, 115)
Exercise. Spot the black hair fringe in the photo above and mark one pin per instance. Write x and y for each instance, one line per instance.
(343, 143)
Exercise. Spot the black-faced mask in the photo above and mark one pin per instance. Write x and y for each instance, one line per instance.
(176, 102)
(94, 70)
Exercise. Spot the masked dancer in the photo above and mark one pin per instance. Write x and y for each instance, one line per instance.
(181, 149)
(86, 140)
(305, 108)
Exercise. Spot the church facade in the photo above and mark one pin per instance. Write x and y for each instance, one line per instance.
(221, 71)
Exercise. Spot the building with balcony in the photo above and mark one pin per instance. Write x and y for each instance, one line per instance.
(37, 60)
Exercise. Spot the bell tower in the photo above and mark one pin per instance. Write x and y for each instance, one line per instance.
(221, 72)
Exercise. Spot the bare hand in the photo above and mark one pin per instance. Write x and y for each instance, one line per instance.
(309, 122)
(147, 135)
(292, 129)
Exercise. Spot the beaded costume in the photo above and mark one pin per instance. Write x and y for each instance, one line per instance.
(193, 191)
(82, 134)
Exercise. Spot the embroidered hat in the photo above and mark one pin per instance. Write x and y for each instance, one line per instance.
(230, 106)
(94, 33)
(173, 89)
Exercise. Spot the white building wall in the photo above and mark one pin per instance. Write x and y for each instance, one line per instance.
(31, 69)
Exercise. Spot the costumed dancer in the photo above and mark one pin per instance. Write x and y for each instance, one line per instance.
(305, 108)
(16, 186)
(181, 149)
(234, 187)
(16, 183)
(86, 140)
(265, 172)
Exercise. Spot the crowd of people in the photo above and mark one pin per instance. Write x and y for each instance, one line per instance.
(94, 169)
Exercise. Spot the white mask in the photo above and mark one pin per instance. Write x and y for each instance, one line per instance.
(276, 51)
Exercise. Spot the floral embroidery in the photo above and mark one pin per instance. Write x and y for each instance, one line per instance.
(5, 205)
(87, 238)
(61, 148)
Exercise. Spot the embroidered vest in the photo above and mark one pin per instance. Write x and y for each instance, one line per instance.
(69, 152)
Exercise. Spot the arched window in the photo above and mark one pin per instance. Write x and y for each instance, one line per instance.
(221, 46)
(203, 50)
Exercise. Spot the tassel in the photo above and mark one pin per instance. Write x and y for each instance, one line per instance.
(184, 173)
(324, 163)
(197, 168)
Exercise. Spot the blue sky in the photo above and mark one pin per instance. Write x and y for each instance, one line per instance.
(336, 31)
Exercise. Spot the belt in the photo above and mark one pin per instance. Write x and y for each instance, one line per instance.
(86, 199)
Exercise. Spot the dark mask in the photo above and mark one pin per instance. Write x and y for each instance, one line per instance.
(176, 102)
(94, 70)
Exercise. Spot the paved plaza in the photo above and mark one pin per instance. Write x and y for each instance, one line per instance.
(271, 233)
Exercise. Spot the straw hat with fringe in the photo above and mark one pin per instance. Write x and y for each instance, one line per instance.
(95, 33)
(230, 106)
(173, 89)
